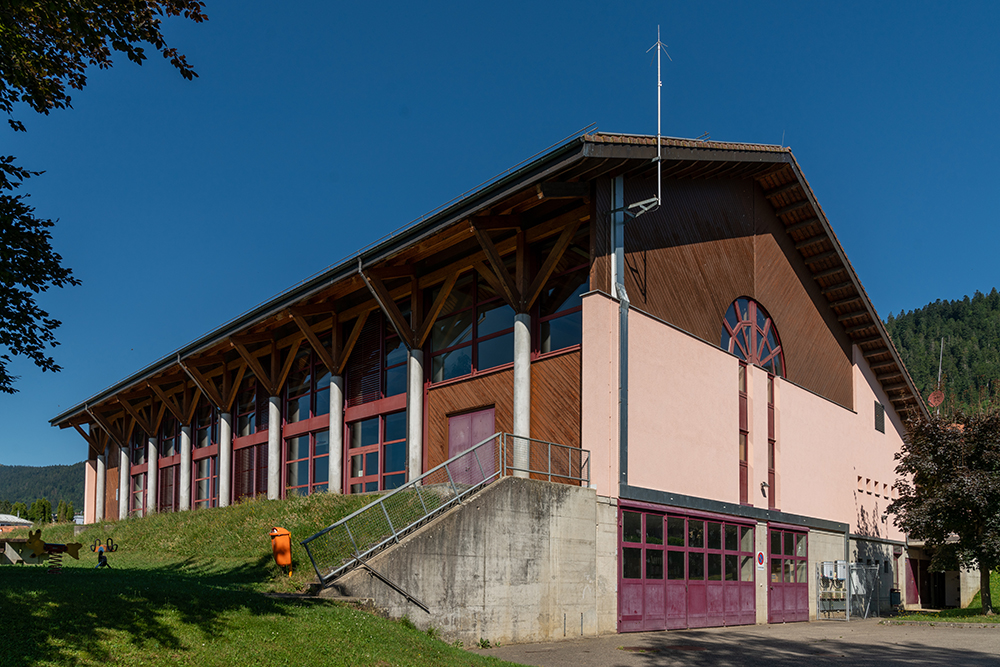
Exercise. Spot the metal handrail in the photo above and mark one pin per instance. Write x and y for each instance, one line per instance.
(342, 545)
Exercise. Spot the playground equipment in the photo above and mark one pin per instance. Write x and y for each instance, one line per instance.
(102, 550)
(54, 551)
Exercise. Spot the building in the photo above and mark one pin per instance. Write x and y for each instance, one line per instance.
(9, 522)
(714, 352)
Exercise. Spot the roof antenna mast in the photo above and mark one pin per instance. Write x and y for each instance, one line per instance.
(654, 202)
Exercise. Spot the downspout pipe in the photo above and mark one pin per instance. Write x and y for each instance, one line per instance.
(618, 290)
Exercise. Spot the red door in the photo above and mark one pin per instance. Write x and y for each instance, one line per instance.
(788, 589)
(464, 432)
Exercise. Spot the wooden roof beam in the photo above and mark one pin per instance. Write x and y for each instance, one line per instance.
(815, 259)
(851, 316)
(782, 189)
(791, 208)
(558, 190)
(836, 287)
(802, 224)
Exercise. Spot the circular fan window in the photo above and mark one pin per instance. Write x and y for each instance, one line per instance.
(749, 333)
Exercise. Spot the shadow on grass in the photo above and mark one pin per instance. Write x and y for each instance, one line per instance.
(80, 613)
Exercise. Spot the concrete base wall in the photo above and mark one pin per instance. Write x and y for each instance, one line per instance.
(823, 546)
(521, 561)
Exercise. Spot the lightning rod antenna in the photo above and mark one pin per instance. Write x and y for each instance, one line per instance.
(650, 204)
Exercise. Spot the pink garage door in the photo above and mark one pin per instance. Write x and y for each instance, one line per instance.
(788, 588)
(683, 572)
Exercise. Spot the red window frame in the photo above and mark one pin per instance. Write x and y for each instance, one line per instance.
(744, 436)
(374, 464)
(750, 334)
(309, 397)
(209, 475)
(313, 458)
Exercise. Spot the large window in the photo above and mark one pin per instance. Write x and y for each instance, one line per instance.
(206, 426)
(137, 486)
(169, 437)
(376, 454)
(206, 482)
(205, 456)
(744, 435)
(250, 471)
(749, 333)
(474, 332)
(307, 467)
(307, 390)
(251, 408)
(560, 306)
(377, 367)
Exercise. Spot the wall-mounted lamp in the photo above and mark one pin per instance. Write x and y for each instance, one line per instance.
(763, 488)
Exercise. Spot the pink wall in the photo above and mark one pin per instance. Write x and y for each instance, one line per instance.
(684, 426)
(89, 490)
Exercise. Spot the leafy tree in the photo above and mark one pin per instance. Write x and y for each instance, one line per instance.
(61, 512)
(70, 512)
(6, 507)
(45, 46)
(40, 511)
(949, 492)
(19, 509)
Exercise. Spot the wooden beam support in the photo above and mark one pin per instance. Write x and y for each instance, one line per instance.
(876, 352)
(507, 288)
(175, 409)
(232, 389)
(349, 343)
(845, 302)
(887, 364)
(325, 355)
(107, 427)
(869, 339)
(829, 272)
(562, 190)
(535, 289)
(812, 240)
(791, 208)
(838, 286)
(387, 272)
(487, 222)
(390, 309)
(815, 259)
(89, 437)
(782, 189)
(852, 315)
(895, 387)
(250, 339)
(802, 224)
(863, 327)
(286, 368)
(254, 363)
(439, 301)
(203, 383)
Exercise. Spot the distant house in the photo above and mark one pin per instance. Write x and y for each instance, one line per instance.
(713, 350)
(9, 522)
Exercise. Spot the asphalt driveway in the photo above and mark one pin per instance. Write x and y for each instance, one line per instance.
(858, 643)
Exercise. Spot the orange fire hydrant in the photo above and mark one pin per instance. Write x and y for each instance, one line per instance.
(281, 546)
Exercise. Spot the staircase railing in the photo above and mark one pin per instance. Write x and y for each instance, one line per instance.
(345, 544)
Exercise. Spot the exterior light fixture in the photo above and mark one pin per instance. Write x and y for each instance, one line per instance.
(763, 488)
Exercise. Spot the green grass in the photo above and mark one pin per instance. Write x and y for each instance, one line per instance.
(187, 589)
(971, 614)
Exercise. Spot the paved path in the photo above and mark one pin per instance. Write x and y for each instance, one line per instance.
(858, 643)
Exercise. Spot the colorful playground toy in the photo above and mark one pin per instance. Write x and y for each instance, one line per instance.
(54, 551)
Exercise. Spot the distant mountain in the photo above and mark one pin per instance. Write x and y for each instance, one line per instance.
(971, 362)
(28, 483)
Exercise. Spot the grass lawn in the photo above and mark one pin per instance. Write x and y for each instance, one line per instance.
(971, 614)
(187, 589)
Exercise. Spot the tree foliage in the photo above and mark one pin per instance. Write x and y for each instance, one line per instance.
(46, 46)
(949, 492)
(971, 361)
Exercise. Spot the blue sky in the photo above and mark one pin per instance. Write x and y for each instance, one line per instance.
(318, 127)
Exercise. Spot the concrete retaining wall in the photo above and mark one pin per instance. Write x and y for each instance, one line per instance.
(521, 561)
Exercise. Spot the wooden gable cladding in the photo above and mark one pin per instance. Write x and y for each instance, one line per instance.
(555, 403)
(712, 241)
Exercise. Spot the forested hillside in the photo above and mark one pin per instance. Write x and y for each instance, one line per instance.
(971, 364)
(28, 483)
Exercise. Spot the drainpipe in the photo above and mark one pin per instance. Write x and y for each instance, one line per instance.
(618, 291)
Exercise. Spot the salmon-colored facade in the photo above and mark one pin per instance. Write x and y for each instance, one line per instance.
(712, 351)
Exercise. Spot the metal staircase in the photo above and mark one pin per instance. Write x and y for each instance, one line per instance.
(348, 543)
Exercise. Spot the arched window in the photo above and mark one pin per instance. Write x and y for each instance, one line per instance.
(749, 333)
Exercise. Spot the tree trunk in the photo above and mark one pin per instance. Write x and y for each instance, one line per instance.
(984, 590)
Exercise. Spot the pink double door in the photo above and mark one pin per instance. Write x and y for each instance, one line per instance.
(683, 572)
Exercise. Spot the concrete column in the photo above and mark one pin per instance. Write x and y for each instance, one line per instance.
(184, 493)
(225, 458)
(336, 460)
(414, 414)
(522, 391)
(152, 474)
(99, 487)
(124, 479)
(274, 447)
